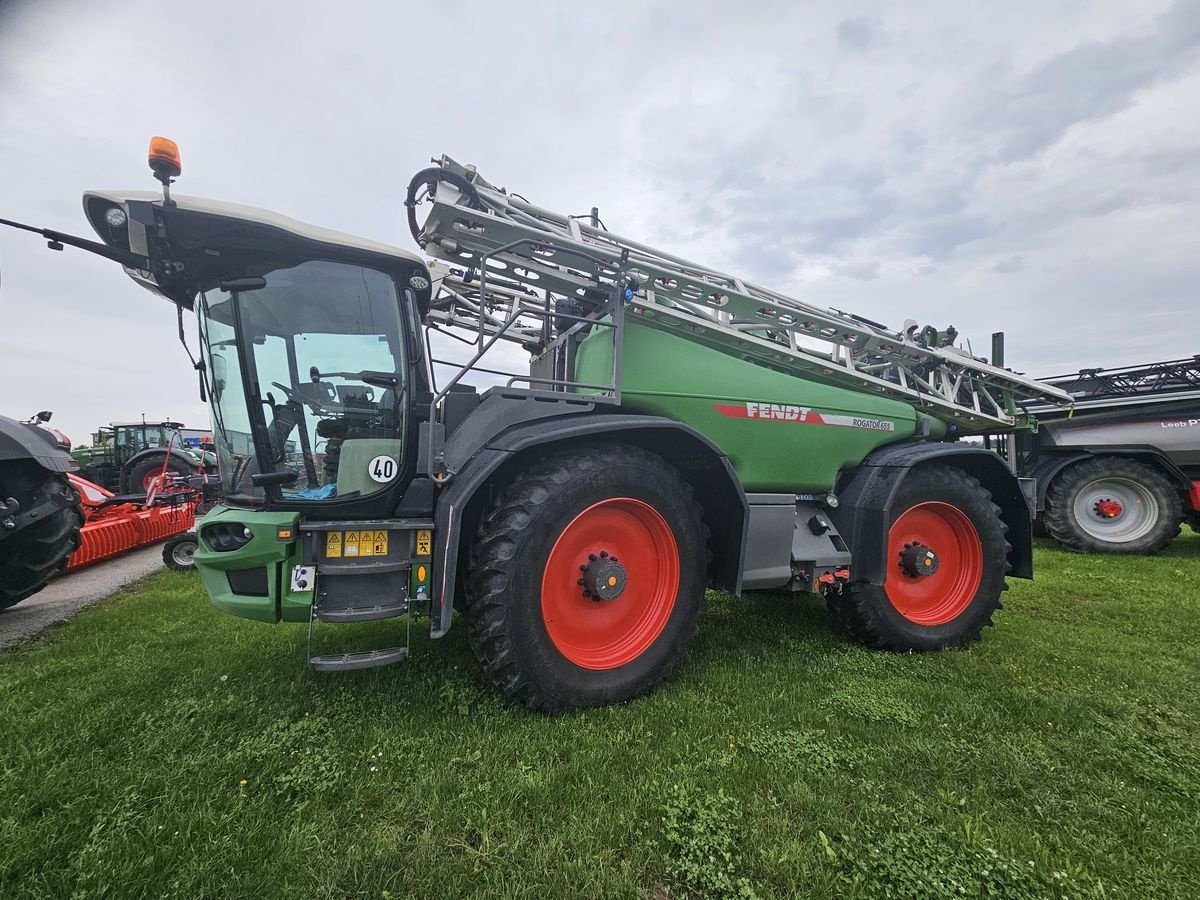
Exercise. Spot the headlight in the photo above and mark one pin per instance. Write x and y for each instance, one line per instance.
(226, 536)
(116, 217)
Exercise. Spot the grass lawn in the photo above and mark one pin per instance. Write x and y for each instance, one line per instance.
(153, 747)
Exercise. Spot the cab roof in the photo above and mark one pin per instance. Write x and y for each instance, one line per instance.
(255, 215)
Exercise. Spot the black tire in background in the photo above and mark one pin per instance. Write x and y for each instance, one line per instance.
(951, 606)
(137, 474)
(536, 529)
(1112, 504)
(34, 555)
(178, 552)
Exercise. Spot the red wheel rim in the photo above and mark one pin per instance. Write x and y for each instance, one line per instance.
(148, 478)
(941, 597)
(605, 634)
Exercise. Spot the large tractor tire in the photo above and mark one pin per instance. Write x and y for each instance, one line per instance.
(144, 471)
(947, 556)
(1110, 504)
(35, 554)
(586, 578)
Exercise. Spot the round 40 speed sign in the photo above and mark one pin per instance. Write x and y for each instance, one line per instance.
(383, 469)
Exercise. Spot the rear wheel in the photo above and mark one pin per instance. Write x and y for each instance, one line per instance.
(179, 552)
(587, 578)
(35, 554)
(946, 560)
(142, 473)
(1112, 505)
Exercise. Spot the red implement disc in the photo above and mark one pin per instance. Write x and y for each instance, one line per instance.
(938, 598)
(606, 634)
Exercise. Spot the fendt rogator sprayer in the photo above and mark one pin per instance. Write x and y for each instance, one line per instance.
(1119, 471)
(677, 428)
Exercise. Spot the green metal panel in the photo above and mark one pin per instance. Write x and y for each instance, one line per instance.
(781, 432)
(264, 550)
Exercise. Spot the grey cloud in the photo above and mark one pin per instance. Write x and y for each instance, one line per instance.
(1089, 81)
(859, 271)
(858, 33)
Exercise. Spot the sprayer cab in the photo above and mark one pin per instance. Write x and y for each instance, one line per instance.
(310, 354)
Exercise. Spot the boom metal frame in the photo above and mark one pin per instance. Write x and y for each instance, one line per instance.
(511, 264)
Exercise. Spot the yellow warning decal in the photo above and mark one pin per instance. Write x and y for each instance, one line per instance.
(379, 543)
(333, 544)
(350, 548)
(424, 542)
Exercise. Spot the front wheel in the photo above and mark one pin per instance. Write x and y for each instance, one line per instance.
(179, 552)
(35, 554)
(587, 578)
(946, 559)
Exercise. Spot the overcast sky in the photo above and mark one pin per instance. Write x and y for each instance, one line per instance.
(1032, 167)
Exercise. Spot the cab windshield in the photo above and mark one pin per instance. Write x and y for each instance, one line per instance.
(307, 377)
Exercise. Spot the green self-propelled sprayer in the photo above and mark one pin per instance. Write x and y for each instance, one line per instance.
(677, 428)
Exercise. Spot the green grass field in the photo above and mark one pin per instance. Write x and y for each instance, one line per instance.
(153, 747)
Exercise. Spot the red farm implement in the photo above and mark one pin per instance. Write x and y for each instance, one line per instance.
(116, 524)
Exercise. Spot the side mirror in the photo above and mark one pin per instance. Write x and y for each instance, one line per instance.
(219, 371)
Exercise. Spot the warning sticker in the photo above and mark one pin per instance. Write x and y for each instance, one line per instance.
(379, 543)
(424, 542)
(350, 548)
(333, 544)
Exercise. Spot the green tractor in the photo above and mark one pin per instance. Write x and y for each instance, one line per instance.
(676, 428)
(125, 457)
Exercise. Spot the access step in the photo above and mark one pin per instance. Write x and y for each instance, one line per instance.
(363, 613)
(367, 659)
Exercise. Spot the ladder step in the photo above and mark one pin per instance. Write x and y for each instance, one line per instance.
(362, 613)
(367, 659)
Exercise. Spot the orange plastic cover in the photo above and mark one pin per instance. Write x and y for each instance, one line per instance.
(165, 150)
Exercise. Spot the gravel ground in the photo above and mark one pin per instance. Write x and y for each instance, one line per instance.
(72, 592)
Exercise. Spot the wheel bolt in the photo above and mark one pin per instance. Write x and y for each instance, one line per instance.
(592, 557)
(603, 554)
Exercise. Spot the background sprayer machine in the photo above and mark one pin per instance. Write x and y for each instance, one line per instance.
(677, 428)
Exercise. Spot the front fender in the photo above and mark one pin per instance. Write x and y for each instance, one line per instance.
(698, 460)
(20, 441)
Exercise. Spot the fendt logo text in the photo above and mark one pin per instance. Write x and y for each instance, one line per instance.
(777, 412)
(783, 412)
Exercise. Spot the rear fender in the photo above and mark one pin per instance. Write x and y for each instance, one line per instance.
(181, 455)
(866, 495)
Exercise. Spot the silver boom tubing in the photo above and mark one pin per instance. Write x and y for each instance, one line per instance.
(574, 258)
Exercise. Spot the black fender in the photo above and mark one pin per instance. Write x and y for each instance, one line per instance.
(160, 452)
(866, 494)
(698, 460)
(21, 441)
(1050, 464)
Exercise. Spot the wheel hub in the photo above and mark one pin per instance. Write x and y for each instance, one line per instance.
(917, 560)
(604, 578)
(1108, 508)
